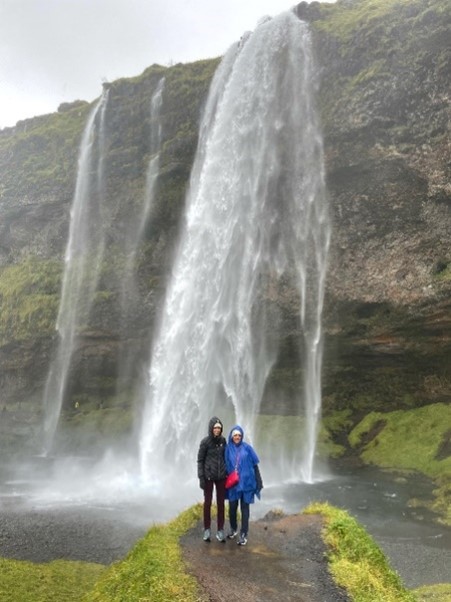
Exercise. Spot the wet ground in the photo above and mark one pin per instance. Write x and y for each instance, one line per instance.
(284, 560)
(45, 528)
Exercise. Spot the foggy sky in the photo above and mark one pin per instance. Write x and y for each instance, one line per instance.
(54, 51)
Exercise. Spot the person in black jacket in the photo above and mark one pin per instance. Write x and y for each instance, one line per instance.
(211, 471)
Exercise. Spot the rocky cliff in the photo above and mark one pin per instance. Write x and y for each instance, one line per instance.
(384, 71)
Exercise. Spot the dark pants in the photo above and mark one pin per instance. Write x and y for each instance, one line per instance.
(245, 510)
(208, 497)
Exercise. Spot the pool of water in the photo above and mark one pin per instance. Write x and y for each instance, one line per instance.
(416, 545)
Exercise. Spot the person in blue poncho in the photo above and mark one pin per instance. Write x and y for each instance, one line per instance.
(241, 456)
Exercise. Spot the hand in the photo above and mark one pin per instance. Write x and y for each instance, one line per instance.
(202, 483)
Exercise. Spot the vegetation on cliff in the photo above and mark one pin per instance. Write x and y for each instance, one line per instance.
(29, 299)
(38, 156)
(422, 440)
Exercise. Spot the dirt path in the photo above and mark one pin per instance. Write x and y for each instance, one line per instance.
(284, 560)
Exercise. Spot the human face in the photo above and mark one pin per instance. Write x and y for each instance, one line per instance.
(236, 438)
(216, 431)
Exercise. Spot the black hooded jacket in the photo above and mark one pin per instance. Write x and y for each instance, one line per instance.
(210, 459)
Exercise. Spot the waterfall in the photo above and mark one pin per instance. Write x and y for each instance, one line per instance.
(130, 299)
(255, 213)
(83, 257)
(156, 131)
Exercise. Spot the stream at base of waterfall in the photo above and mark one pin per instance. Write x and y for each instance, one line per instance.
(117, 513)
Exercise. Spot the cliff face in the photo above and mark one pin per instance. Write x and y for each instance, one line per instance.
(384, 80)
(385, 98)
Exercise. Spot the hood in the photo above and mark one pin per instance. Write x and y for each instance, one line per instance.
(237, 427)
(211, 424)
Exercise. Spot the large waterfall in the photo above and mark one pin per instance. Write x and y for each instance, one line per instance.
(84, 254)
(255, 213)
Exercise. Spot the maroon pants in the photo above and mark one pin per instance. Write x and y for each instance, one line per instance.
(208, 497)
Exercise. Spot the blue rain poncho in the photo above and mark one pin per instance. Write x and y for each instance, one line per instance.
(244, 458)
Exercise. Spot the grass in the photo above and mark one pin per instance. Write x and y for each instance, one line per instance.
(58, 581)
(356, 563)
(29, 295)
(154, 570)
(434, 593)
(368, 14)
(415, 434)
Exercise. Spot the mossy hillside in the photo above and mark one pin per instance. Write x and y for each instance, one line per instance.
(61, 580)
(129, 127)
(153, 571)
(367, 88)
(185, 93)
(40, 155)
(416, 439)
(356, 562)
(343, 19)
(29, 294)
(416, 435)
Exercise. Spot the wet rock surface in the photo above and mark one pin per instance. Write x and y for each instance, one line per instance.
(284, 559)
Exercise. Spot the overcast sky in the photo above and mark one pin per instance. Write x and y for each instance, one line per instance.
(54, 51)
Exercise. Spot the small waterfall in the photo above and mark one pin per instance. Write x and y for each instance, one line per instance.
(83, 257)
(256, 213)
(156, 131)
(130, 299)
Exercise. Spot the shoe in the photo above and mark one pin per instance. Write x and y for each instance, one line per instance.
(207, 535)
(232, 534)
(242, 540)
(220, 536)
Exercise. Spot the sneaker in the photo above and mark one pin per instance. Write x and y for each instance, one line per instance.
(232, 534)
(220, 536)
(207, 535)
(242, 540)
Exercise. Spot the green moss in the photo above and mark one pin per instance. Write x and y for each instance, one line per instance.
(356, 562)
(443, 272)
(29, 295)
(369, 15)
(434, 593)
(417, 436)
(42, 153)
(60, 580)
(154, 570)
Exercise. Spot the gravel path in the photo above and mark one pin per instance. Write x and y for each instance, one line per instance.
(283, 561)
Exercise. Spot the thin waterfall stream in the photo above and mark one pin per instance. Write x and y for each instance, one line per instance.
(83, 257)
(256, 213)
(130, 298)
